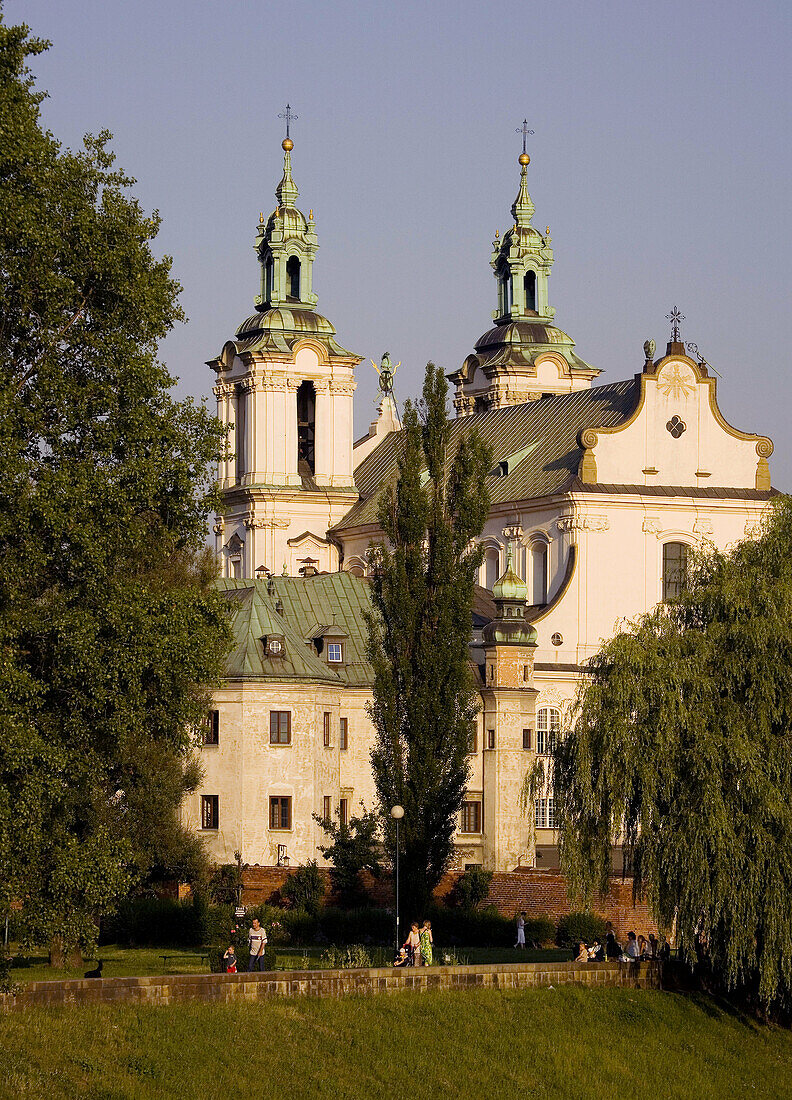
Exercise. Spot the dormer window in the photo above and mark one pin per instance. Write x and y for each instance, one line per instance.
(335, 653)
(273, 646)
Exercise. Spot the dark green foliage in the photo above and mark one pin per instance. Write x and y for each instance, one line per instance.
(575, 927)
(110, 632)
(224, 884)
(355, 848)
(304, 888)
(424, 705)
(160, 922)
(682, 740)
(472, 887)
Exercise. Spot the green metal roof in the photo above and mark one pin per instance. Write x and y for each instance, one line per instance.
(336, 602)
(547, 430)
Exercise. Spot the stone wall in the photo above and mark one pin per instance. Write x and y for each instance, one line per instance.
(539, 893)
(225, 988)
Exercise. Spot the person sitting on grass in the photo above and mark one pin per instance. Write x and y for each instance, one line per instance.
(582, 955)
(230, 961)
(257, 941)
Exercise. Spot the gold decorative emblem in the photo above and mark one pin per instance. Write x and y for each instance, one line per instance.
(676, 381)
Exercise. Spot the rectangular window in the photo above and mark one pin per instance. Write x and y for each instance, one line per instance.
(240, 432)
(210, 811)
(548, 729)
(343, 729)
(280, 727)
(527, 740)
(544, 813)
(490, 739)
(343, 811)
(326, 731)
(280, 812)
(471, 817)
(211, 734)
(335, 653)
(473, 742)
(327, 808)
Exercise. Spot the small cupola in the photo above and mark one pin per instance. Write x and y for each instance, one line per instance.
(509, 627)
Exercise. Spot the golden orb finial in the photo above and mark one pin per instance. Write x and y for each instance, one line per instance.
(261, 217)
(310, 215)
(524, 159)
(287, 144)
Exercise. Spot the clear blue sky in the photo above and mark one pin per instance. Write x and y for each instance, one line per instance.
(661, 161)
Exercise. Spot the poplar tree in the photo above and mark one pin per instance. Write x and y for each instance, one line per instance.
(682, 749)
(110, 631)
(424, 703)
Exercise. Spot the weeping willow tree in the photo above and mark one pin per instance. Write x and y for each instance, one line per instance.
(681, 749)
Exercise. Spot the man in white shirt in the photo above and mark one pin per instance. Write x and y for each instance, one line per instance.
(257, 941)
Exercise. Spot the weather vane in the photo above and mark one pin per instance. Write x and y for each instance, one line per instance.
(287, 114)
(524, 131)
(386, 373)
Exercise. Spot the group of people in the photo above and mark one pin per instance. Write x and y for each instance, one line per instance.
(636, 949)
(417, 948)
(257, 941)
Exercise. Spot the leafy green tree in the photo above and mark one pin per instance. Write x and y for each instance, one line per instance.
(305, 888)
(681, 747)
(472, 887)
(424, 703)
(110, 632)
(355, 848)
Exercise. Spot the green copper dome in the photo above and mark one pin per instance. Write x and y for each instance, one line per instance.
(510, 586)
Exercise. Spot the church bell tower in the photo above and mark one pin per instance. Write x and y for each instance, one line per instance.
(284, 394)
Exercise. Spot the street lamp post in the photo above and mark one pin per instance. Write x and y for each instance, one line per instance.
(397, 813)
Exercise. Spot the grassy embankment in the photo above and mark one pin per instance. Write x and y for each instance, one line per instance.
(123, 962)
(567, 1042)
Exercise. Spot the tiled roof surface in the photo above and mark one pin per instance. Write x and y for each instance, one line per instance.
(548, 427)
(328, 599)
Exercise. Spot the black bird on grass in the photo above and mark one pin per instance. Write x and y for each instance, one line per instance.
(97, 973)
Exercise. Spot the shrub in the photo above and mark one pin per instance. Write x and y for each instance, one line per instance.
(305, 888)
(579, 926)
(472, 887)
(539, 930)
(156, 922)
(224, 884)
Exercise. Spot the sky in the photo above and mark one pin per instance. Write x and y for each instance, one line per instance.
(661, 161)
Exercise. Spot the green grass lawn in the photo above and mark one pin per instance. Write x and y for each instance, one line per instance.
(123, 962)
(567, 1042)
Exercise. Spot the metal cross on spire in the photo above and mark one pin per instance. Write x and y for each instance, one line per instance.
(675, 317)
(524, 131)
(287, 114)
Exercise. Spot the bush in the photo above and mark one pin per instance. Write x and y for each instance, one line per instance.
(305, 888)
(539, 930)
(224, 884)
(158, 922)
(472, 887)
(580, 926)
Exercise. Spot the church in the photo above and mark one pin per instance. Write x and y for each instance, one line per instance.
(598, 494)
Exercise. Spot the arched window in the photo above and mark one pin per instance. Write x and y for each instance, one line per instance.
(306, 428)
(504, 288)
(548, 729)
(675, 565)
(530, 290)
(240, 430)
(268, 268)
(491, 567)
(539, 573)
(293, 277)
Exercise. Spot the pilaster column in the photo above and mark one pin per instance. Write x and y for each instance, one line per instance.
(292, 476)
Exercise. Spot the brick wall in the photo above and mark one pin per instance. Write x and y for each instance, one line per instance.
(539, 893)
(224, 988)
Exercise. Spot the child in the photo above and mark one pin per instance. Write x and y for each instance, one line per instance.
(230, 960)
(403, 959)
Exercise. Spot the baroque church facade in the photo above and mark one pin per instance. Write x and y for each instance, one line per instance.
(599, 491)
